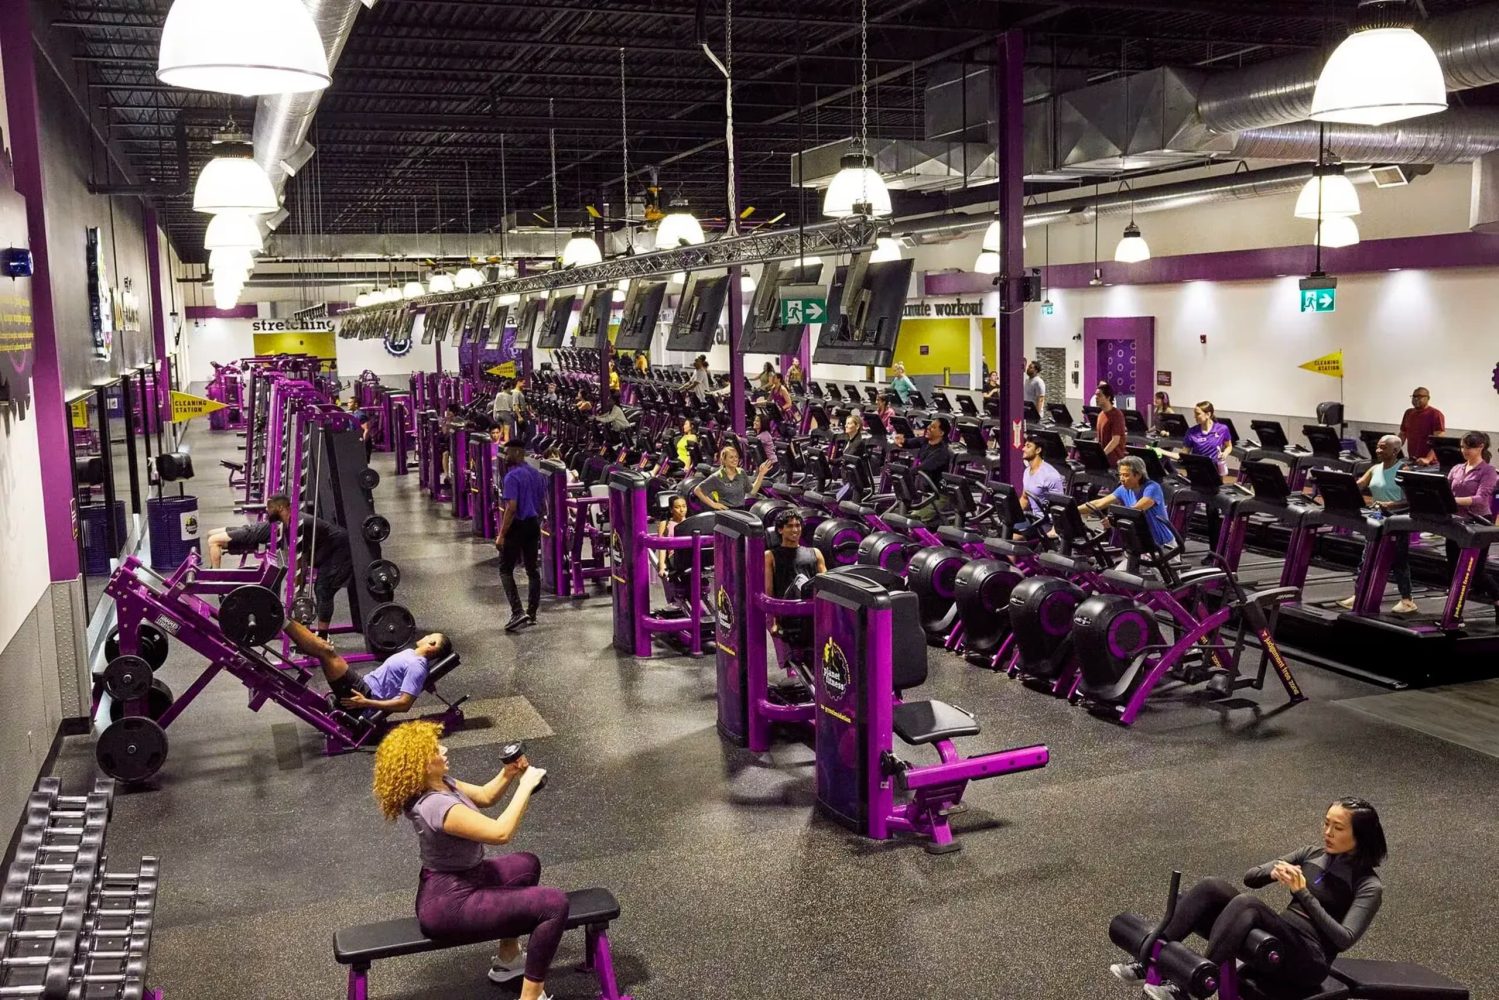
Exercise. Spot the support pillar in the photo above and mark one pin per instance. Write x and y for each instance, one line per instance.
(158, 317)
(1009, 112)
(736, 359)
(49, 387)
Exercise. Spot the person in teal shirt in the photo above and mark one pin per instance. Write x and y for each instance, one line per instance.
(900, 384)
(1139, 492)
(1378, 481)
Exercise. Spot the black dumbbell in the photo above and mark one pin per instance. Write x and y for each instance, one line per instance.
(512, 752)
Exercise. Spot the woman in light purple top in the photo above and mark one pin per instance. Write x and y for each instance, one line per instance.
(1473, 484)
(1210, 439)
(463, 895)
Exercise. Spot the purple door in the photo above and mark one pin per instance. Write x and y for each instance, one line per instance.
(1121, 351)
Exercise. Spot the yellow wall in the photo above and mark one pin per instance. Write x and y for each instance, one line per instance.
(322, 344)
(947, 340)
(991, 341)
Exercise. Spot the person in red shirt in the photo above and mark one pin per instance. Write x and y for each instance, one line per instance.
(1420, 424)
(1110, 429)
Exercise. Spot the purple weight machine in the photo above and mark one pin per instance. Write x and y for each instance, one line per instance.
(572, 525)
(869, 649)
(689, 622)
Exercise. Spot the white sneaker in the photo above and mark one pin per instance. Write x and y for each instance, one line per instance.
(1348, 602)
(507, 972)
(1406, 606)
(1128, 972)
(1165, 991)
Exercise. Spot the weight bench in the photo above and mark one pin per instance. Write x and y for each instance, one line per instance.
(451, 716)
(360, 947)
(1365, 979)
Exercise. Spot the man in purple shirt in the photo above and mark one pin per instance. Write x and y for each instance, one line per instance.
(391, 687)
(1040, 484)
(525, 498)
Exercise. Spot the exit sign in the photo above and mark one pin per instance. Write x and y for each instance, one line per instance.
(1320, 300)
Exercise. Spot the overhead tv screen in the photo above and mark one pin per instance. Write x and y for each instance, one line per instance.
(593, 327)
(763, 332)
(499, 313)
(530, 315)
(554, 326)
(637, 327)
(434, 321)
(864, 332)
(698, 316)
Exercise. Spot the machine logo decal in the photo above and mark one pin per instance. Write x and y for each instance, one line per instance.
(725, 611)
(835, 674)
(167, 624)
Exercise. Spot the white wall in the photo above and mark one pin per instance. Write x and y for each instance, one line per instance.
(355, 356)
(225, 340)
(23, 546)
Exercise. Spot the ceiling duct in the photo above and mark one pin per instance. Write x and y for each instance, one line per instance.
(1456, 136)
(905, 166)
(1280, 92)
(282, 121)
(1484, 210)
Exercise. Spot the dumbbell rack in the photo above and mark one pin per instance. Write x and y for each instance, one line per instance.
(69, 929)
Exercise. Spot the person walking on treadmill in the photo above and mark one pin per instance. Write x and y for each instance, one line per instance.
(1379, 483)
(519, 539)
(1474, 484)
(1110, 430)
(1419, 425)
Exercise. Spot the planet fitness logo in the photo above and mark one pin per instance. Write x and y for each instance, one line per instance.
(616, 549)
(725, 610)
(835, 673)
(1496, 378)
(398, 345)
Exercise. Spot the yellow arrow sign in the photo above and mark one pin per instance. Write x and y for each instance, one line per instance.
(80, 414)
(185, 407)
(1327, 364)
(506, 370)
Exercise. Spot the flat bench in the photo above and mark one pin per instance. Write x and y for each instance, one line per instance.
(1367, 979)
(359, 947)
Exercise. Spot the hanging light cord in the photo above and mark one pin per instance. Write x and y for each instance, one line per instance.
(504, 200)
(468, 219)
(624, 137)
(552, 139)
(864, 100)
(728, 73)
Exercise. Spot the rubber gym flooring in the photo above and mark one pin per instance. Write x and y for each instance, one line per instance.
(731, 885)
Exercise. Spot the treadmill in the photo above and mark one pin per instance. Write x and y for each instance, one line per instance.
(1273, 500)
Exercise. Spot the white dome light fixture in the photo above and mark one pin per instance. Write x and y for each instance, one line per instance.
(987, 263)
(509, 299)
(232, 181)
(1337, 233)
(621, 290)
(747, 283)
(858, 189)
(1132, 248)
(988, 258)
(885, 248)
(233, 231)
(413, 289)
(680, 227)
(362, 300)
(231, 259)
(391, 294)
(1382, 72)
(581, 251)
(1328, 194)
(440, 282)
(468, 277)
(244, 47)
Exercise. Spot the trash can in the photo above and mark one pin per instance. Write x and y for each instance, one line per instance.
(173, 522)
(93, 523)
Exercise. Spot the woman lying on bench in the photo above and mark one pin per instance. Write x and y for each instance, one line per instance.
(1335, 892)
(392, 687)
(463, 895)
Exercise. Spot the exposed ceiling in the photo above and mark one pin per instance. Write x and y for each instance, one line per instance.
(426, 92)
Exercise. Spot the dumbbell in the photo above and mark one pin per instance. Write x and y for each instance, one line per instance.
(512, 752)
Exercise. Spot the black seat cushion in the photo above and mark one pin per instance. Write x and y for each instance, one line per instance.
(445, 665)
(1252, 989)
(918, 722)
(958, 536)
(403, 936)
(1372, 980)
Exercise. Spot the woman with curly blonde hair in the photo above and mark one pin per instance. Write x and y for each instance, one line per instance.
(463, 894)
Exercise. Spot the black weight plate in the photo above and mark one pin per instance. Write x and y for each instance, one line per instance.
(131, 750)
(127, 677)
(376, 528)
(158, 700)
(153, 645)
(383, 576)
(388, 629)
(368, 479)
(251, 615)
(304, 610)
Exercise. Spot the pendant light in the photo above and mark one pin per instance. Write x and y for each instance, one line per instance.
(440, 282)
(987, 263)
(391, 294)
(244, 47)
(1329, 193)
(468, 276)
(1383, 72)
(621, 290)
(1337, 233)
(581, 251)
(885, 248)
(680, 227)
(1132, 248)
(747, 282)
(988, 258)
(413, 289)
(858, 189)
(231, 259)
(362, 300)
(233, 230)
(232, 181)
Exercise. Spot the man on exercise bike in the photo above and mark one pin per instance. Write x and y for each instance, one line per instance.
(320, 543)
(392, 687)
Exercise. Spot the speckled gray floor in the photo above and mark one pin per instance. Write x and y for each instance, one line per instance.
(731, 886)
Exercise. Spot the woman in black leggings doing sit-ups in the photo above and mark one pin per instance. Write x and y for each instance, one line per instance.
(1335, 892)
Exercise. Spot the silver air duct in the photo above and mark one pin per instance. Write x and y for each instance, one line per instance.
(282, 121)
(1455, 136)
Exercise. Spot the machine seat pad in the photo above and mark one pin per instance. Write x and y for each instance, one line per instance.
(233, 466)
(959, 536)
(899, 522)
(444, 666)
(918, 722)
(403, 936)
(1251, 989)
(1374, 980)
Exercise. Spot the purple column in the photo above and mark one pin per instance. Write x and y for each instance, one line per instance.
(736, 360)
(48, 389)
(1009, 112)
(158, 318)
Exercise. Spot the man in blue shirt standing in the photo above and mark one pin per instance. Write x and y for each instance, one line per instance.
(524, 496)
(392, 687)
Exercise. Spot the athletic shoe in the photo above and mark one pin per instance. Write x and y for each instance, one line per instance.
(505, 972)
(1128, 972)
(1405, 606)
(526, 621)
(1348, 602)
(517, 622)
(1165, 991)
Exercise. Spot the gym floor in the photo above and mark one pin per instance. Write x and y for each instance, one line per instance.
(731, 885)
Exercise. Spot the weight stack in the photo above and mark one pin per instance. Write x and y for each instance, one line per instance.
(174, 527)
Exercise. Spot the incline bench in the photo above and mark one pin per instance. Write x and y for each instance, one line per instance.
(359, 947)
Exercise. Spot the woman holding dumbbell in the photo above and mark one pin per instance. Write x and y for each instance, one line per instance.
(1335, 893)
(462, 893)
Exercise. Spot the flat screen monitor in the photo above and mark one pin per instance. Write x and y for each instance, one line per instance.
(452, 322)
(1429, 493)
(1271, 434)
(864, 331)
(434, 324)
(499, 314)
(530, 316)
(554, 325)
(1268, 481)
(1174, 425)
(472, 327)
(1340, 490)
(698, 316)
(637, 326)
(763, 332)
(593, 327)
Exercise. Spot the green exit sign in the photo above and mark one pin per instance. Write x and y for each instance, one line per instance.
(795, 312)
(1048, 308)
(1319, 300)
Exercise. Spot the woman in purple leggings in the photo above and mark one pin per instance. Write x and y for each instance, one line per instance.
(464, 895)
